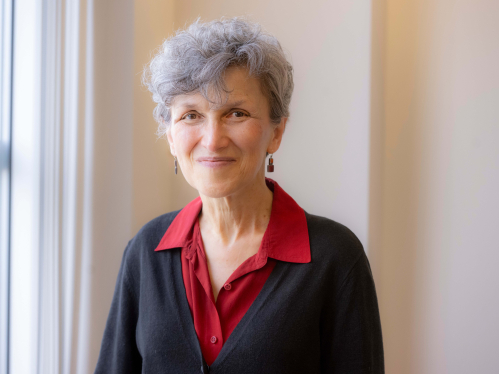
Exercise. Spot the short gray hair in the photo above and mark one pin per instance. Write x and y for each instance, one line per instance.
(195, 59)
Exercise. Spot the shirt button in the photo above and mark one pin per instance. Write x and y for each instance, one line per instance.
(227, 286)
(213, 339)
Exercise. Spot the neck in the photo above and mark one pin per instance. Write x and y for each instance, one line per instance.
(244, 213)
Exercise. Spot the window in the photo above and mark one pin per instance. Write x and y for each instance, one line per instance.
(5, 146)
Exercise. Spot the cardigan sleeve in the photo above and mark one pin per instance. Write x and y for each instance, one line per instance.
(119, 353)
(351, 341)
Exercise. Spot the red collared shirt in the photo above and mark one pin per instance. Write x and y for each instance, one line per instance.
(286, 239)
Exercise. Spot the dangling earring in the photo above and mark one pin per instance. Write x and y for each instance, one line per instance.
(270, 166)
(175, 157)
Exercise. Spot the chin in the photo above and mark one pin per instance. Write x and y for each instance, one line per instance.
(217, 187)
(216, 190)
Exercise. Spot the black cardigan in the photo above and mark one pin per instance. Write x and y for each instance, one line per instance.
(319, 317)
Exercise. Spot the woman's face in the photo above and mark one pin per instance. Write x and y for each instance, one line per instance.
(222, 149)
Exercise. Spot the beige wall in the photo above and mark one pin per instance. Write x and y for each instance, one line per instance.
(111, 170)
(152, 162)
(439, 255)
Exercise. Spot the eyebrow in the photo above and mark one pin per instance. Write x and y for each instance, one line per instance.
(230, 104)
(187, 105)
(193, 105)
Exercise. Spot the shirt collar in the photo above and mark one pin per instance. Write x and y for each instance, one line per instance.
(286, 237)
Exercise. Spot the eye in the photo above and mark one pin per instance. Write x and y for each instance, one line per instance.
(237, 114)
(189, 116)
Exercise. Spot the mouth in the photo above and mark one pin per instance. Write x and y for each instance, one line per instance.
(215, 162)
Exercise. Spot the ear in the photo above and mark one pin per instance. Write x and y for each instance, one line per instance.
(170, 141)
(275, 142)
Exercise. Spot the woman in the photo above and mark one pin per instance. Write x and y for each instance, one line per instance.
(241, 280)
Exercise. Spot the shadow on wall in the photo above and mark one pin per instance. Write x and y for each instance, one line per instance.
(394, 187)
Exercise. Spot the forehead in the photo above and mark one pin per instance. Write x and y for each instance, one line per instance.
(241, 87)
(239, 81)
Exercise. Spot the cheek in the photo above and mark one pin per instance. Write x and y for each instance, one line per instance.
(252, 143)
(252, 140)
(185, 139)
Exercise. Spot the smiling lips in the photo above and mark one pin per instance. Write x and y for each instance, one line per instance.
(215, 162)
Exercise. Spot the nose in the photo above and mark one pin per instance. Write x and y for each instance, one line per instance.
(215, 135)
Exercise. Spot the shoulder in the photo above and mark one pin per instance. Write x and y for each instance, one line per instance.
(153, 231)
(148, 237)
(333, 244)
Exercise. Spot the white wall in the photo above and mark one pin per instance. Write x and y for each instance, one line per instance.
(439, 255)
(324, 157)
